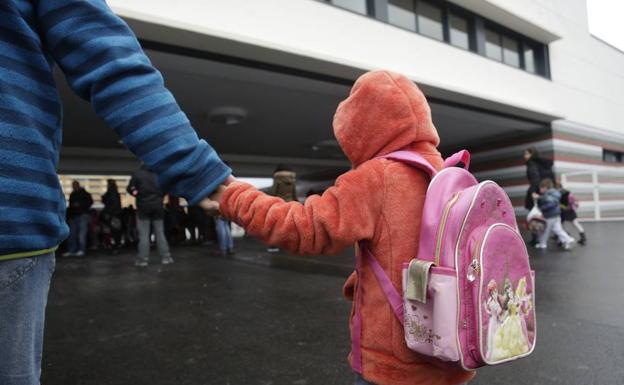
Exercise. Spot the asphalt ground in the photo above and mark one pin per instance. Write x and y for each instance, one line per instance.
(272, 318)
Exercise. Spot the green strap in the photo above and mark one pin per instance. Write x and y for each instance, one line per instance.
(418, 280)
(27, 254)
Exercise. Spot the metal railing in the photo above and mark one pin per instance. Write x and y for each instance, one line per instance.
(600, 193)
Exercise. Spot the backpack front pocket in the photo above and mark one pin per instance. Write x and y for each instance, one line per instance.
(506, 301)
(430, 310)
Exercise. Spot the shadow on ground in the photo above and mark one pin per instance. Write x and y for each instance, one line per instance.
(273, 319)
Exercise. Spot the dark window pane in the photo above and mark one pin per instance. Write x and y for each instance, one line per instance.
(611, 156)
(529, 59)
(401, 13)
(493, 45)
(459, 31)
(511, 54)
(430, 20)
(358, 6)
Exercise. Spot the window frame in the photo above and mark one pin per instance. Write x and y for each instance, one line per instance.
(452, 9)
(415, 30)
(443, 20)
(378, 9)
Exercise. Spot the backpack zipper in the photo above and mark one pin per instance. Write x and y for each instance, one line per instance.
(442, 226)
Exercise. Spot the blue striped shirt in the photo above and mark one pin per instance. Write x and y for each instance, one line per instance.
(104, 64)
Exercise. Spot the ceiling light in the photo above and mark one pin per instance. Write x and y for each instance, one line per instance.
(228, 115)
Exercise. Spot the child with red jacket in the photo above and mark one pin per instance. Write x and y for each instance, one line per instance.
(379, 202)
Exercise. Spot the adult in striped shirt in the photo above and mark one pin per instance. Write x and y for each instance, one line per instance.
(105, 65)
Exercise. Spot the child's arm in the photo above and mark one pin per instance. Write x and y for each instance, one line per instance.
(346, 213)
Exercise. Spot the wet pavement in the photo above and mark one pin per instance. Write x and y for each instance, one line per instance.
(273, 319)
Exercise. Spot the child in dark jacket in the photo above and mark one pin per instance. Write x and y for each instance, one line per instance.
(548, 202)
(569, 205)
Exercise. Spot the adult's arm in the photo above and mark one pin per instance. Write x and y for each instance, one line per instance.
(105, 65)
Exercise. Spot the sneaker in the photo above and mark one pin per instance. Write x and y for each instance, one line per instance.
(80, 254)
(140, 263)
(68, 254)
(540, 246)
(167, 261)
(569, 245)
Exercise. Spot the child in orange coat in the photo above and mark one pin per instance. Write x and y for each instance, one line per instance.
(379, 202)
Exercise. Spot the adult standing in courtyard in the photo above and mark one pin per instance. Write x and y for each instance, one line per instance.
(80, 202)
(104, 64)
(111, 215)
(150, 215)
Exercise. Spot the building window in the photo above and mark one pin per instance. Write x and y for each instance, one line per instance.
(358, 6)
(430, 20)
(511, 52)
(459, 31)
(610, 156)
(402, 14)
(445, 21)
(493, 48)
(529, 59)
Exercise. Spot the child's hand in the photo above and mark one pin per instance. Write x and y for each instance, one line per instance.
(210, 207)
(217, 194)
(535, 195)
(211, 204)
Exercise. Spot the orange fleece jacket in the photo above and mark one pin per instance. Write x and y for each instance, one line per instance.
(378, 201)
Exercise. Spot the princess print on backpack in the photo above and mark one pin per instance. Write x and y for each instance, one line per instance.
(509, 335)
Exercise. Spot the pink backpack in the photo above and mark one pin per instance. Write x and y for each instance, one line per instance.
(469, 294)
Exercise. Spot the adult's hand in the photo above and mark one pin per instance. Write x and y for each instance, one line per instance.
(211, 203)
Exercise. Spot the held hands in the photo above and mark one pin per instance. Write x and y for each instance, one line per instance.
(211, 203)
(535, 195)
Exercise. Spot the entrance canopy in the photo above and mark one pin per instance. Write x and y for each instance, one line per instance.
(258, 116)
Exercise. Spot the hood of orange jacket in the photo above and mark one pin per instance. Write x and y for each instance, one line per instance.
(384, 112)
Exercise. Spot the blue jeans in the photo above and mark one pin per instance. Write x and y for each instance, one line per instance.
(24, 285)
(144, 226)
(78, 227)
(224, 235)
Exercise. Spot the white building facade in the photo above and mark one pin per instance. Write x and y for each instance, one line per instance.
(506, 74)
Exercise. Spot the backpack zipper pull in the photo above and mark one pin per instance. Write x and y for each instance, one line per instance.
(473, 270)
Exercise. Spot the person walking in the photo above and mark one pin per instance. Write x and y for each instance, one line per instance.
(105, 65)
(569, 205)
(548, 200)
(150, 214)
(378, 204)
(80, 202)
(537, 169)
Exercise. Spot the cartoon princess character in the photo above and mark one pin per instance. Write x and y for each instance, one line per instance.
(494, 309)
(510, 339)
(524, 300)
(525, 304)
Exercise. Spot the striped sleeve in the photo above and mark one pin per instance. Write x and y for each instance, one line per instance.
(104, 64)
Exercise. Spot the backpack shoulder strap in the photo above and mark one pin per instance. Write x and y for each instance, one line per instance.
(413, 159)
(461, 156)
(393, 297)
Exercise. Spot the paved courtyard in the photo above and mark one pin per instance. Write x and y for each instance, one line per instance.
(273, 319)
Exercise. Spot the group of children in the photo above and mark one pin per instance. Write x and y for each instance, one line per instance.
(557, 205)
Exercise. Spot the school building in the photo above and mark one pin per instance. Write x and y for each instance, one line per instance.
(260, 80)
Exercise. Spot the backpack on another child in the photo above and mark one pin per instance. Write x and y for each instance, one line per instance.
(468, 296)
